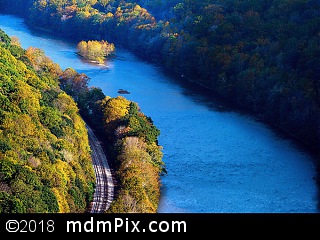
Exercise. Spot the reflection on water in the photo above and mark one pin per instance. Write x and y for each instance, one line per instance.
(218, 160)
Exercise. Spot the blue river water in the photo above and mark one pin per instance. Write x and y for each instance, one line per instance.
(219, 160)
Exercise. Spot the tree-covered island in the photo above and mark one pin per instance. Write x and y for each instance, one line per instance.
(95, 51)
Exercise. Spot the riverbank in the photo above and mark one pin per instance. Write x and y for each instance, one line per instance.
(313, 147)
(242, 165)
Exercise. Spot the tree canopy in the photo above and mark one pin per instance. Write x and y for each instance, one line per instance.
(261, 55)
(45, 161)
(96, 51)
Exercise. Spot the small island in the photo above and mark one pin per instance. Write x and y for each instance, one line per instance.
(95, 51)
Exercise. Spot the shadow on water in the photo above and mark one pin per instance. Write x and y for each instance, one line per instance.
(214, 102)
(205, 97)
(317, 180)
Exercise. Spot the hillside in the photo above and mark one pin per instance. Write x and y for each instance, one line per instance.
(260, 55)
(45, 162)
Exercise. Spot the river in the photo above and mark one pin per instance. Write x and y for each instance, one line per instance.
(219, 160)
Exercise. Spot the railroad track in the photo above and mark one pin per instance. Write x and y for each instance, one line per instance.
(104, 191)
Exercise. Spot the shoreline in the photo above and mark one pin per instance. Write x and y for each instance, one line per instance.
(310, 147)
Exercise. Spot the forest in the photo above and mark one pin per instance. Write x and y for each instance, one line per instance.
(45, 161)
(131, 141)
(45, 156)
(260, 55)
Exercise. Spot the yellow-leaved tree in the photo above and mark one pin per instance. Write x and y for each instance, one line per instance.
(96, 51)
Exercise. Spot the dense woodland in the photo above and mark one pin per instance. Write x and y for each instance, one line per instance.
(45, 161)
(131, 142)
(138, 156)
(259, 54)
(263, 55)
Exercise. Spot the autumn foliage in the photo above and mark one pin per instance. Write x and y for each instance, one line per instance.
(45, 161)
(138, 156)
(95, 50)
(260, 55)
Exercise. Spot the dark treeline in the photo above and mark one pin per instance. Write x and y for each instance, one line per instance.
(261, 54)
